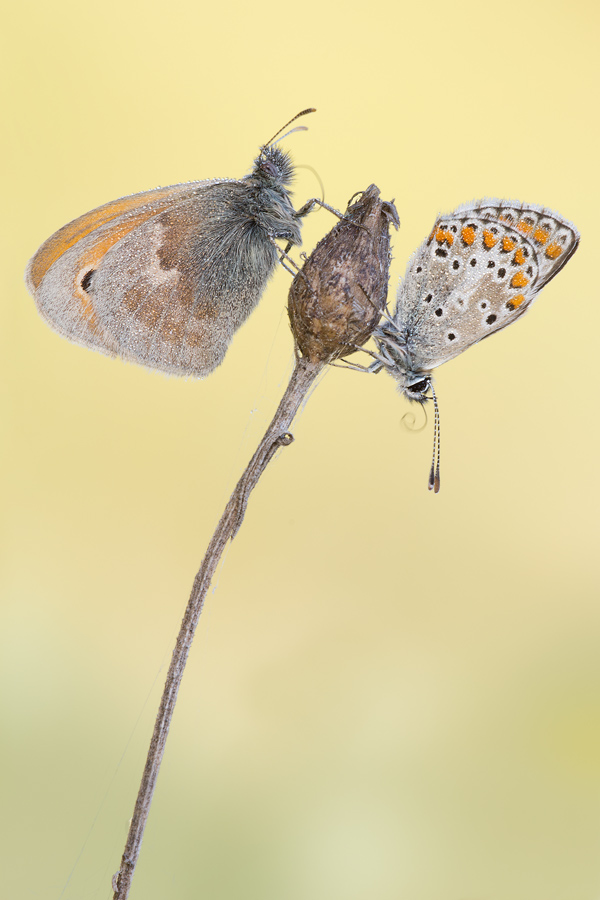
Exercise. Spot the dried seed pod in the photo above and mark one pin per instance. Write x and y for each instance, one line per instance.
(336, 299)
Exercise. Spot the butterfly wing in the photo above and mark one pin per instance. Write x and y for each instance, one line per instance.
(161, 278)
(479, 270)
(62, 300)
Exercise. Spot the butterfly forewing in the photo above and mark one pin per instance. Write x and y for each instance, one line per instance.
(478, 271)
(59, 275)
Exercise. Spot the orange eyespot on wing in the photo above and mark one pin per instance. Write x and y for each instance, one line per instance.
(518, 280)
(553, 251)
(468, 235)
(525, 227)
(444, 237)
(515, 302)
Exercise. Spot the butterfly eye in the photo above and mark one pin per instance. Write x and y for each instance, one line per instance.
(418, 390)
(268, 167)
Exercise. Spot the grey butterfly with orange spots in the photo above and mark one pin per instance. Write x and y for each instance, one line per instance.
(478, 271)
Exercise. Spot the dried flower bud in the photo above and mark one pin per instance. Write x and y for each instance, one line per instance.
(336, 299)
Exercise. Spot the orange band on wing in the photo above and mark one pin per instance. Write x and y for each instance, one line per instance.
(151, 202)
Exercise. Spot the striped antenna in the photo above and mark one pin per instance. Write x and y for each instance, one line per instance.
(434, 473)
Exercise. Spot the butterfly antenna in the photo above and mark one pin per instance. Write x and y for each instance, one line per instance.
(434, 474)
(277, 133)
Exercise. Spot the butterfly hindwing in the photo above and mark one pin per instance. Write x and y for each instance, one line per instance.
(164, 291)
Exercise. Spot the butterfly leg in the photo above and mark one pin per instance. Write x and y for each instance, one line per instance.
(383, 311)
(310, 205)
(373, 369)
(285, 258)
(386, 315)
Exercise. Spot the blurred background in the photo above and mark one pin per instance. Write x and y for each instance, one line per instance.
(391, 694)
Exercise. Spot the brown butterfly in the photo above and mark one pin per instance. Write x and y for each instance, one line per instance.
(164, 278)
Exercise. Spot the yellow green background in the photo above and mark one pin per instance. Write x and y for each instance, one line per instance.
(392, 695)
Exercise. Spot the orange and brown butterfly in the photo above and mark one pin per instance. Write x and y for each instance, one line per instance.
(164, 278)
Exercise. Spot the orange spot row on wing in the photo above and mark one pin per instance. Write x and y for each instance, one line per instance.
(524, 227)
(490, 240)
(514, 302)
(444, 237)
(553, 251)
(541, 235)
(518, 280)
(468, 235)
(519, 257)
(508, 244)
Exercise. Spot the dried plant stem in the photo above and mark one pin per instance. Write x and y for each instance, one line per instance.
(276, 435)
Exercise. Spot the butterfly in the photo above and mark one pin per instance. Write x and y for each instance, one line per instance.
(479, 270)
(164, 278)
